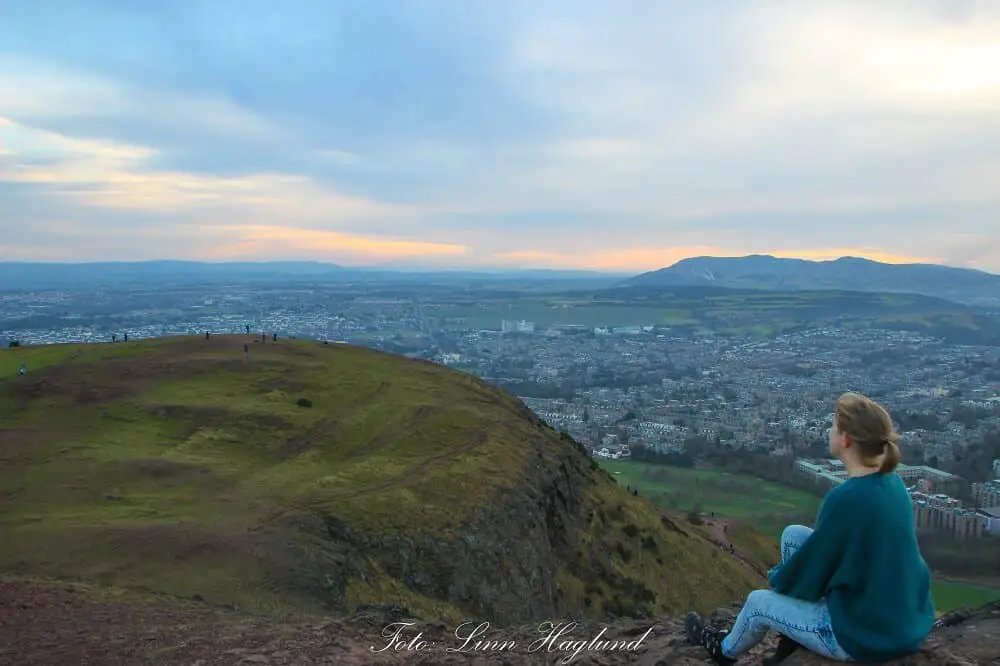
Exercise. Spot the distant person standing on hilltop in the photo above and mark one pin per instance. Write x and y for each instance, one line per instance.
(856, 588)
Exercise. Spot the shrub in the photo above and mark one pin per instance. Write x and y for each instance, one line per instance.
(304, 402)
(623, 553)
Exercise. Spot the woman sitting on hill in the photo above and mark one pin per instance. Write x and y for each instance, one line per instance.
(856, 587)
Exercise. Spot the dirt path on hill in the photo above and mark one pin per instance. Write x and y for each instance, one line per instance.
(720, 535)
(404, 478)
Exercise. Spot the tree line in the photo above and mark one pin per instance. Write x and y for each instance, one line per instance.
(671, 458)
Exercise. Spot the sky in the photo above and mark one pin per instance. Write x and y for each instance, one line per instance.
(611, 135)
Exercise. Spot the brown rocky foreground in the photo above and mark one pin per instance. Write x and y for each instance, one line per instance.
(63, 624)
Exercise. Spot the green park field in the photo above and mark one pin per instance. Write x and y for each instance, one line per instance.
(949, 595)
(721, 313)
(760, 314)
(766, 505)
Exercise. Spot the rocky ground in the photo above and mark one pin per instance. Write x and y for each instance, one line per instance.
(57, 625)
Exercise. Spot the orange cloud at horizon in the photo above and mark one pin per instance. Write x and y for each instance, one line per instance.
(640, 259)
(826, 254)
(256, 240)
(533, 255)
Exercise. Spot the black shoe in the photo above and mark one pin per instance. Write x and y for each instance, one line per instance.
(698, 634)
(786, 646)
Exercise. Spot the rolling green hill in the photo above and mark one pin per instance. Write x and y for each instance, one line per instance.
(311, 477)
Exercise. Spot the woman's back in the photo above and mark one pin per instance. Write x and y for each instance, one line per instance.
(880, 592)
(856, 586)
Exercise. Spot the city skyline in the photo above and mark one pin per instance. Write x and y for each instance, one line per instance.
(563, 135)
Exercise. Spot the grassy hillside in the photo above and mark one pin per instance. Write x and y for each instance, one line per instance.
(309, 477)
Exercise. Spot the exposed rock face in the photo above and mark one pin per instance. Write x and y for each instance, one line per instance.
(482, 568)
(46, 625)
(564, 540)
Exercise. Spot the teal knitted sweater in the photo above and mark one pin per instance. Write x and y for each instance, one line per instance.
(863, 558)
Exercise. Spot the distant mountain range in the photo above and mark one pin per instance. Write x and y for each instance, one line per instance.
(754, 272)
(964, 285)
(41, 275)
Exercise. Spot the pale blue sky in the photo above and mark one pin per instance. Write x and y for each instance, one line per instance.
(567, 133)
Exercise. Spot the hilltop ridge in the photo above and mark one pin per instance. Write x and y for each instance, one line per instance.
(766, 272)
(310, 478)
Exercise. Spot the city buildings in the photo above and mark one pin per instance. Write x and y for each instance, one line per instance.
(992, 520)
(941, 514)
(833, 473)
(932, 511)
(987, 494)
(511, 326)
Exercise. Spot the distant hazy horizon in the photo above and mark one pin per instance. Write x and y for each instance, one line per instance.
(563, 134)
(420, 268)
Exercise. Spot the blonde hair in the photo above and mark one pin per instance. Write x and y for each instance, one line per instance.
(869, 426)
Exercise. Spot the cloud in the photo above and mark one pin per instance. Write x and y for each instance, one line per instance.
(114, 178)
(117, 176)
(222, 241)
(49, 95)
(533, 256)
(795, 108)
(571, 132)
(259, 241)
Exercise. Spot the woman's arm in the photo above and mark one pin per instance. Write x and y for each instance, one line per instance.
(807, 574)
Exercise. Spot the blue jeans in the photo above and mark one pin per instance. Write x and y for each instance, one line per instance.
(806, 623)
